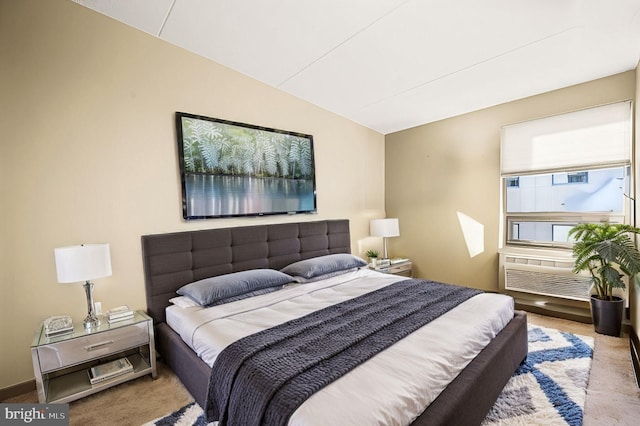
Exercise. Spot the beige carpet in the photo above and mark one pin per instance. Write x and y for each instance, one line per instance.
(612, 394)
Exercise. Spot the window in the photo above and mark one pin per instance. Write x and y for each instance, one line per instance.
(542, 212)
(512, 182)
(561, 232)
(564, 170)
(565, 178)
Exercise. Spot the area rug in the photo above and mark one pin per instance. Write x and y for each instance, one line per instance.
(548, 389)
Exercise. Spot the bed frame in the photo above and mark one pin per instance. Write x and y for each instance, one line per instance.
(175, 259)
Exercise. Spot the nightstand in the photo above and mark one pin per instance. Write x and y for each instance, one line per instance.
(403, 268)
(61, 363)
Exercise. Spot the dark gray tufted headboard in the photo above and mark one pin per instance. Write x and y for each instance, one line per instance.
(175, 259)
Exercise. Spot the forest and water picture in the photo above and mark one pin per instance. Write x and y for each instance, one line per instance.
(235, 169)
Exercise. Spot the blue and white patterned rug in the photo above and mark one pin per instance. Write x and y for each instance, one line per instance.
(548, 389)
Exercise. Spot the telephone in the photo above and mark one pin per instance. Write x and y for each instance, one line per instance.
(58, 325)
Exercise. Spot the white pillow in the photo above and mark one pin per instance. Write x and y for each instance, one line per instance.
(183, 302)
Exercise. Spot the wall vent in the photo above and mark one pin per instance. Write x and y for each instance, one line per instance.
(546, 277)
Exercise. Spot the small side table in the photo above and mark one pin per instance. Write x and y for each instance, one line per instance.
(61, 363)
(403, 268)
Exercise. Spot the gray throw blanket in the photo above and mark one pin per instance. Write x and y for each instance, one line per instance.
(263, 378)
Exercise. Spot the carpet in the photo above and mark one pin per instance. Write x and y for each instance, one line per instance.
(548, 389)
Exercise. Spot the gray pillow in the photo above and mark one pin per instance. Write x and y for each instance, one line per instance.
(214, 290)
(246, 295)
(323, 266)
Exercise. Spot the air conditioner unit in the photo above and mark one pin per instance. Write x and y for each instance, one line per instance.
(549, 277)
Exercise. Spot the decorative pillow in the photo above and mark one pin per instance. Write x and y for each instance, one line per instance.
(183, 302)
(323, 267)
(211, 291)
(246, 295)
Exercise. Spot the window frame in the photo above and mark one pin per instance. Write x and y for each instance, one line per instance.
(562, 218)
(554, 218)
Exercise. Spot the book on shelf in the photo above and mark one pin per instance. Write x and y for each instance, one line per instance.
(109, 370)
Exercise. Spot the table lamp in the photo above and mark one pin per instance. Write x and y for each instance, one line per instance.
(384, 228)
(85, 262)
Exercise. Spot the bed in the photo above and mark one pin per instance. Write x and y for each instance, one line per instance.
(174, 260)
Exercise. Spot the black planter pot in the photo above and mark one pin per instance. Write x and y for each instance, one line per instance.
(607, 315)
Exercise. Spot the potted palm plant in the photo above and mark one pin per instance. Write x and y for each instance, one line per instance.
(608, 253)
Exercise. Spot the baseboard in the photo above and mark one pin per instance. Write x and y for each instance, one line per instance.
(634, 345)
(16, 390)
(568, 313)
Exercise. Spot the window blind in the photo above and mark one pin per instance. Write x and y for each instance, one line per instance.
(586, 139)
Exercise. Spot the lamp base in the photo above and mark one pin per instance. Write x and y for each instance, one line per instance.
(90, 323)
(384, 242)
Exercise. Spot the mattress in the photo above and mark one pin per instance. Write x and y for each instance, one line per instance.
(393, 387)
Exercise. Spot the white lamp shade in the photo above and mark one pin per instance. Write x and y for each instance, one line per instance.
(82, 263)
(384, 227)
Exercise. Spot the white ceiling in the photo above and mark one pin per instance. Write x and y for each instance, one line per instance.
(396, 64)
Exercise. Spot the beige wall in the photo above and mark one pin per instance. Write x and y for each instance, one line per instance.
(89, 155)
(439, 169)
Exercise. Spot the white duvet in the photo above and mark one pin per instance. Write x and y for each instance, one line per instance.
(393, 387)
